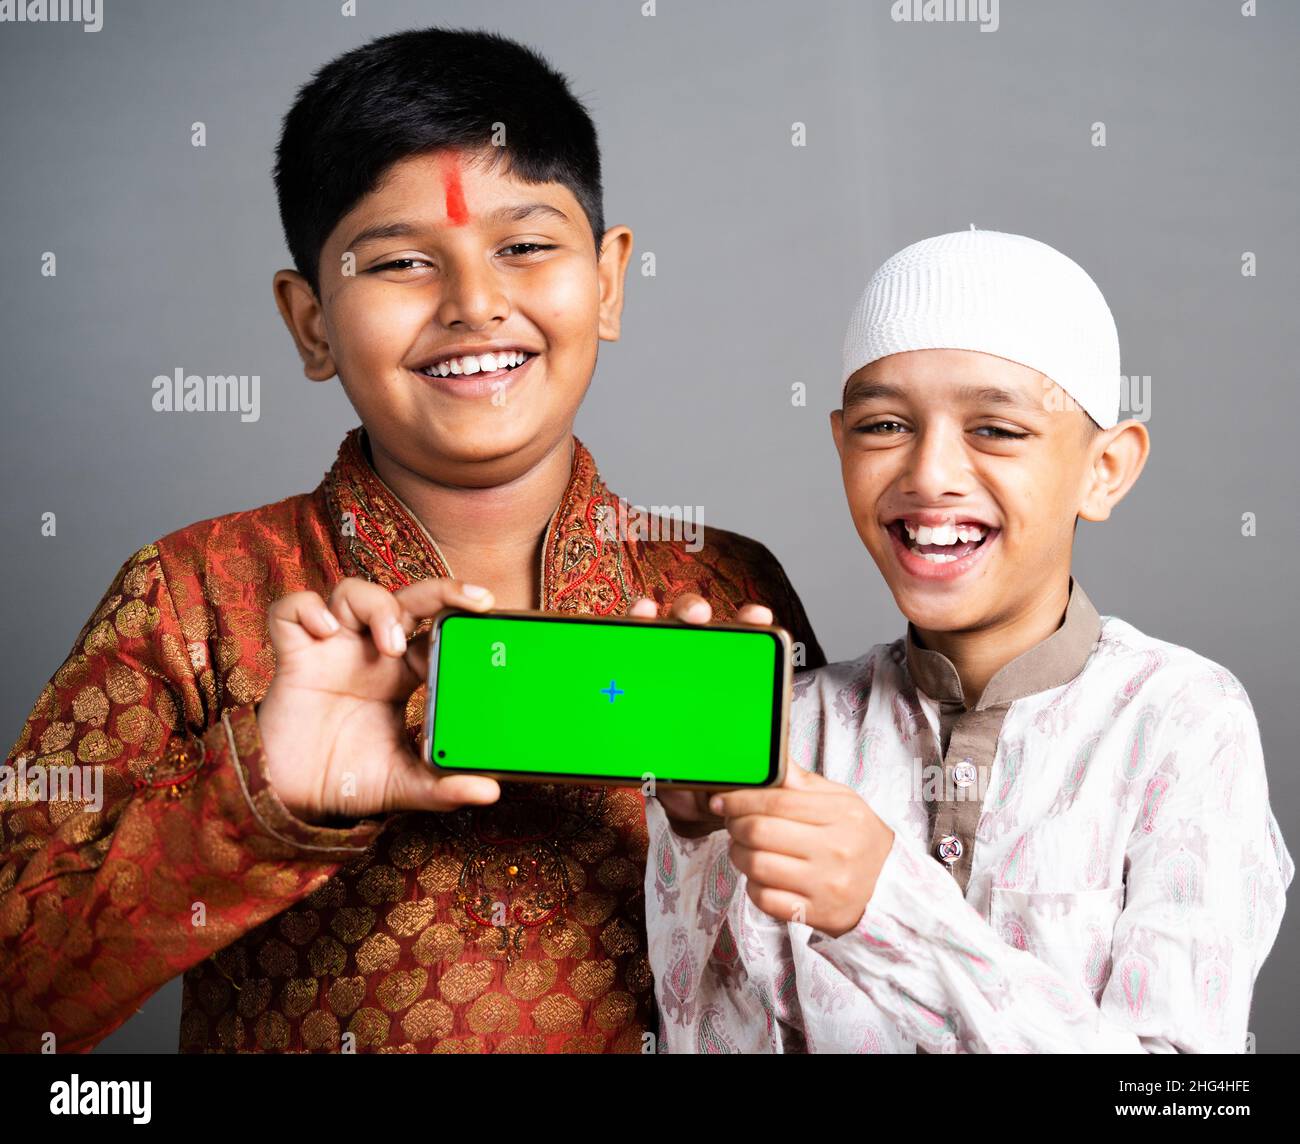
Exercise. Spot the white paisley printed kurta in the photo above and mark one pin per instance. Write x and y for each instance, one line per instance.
(1127, 880)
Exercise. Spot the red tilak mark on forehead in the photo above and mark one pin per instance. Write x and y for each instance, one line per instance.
(457, 211)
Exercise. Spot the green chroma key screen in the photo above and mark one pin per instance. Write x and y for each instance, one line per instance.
(609, 700)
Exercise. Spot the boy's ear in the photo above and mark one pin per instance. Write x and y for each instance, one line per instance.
(301, 311)
(611, 269)
(837, 430)
(1118, 456)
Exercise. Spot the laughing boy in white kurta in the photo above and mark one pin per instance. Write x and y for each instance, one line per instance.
(1024, 826)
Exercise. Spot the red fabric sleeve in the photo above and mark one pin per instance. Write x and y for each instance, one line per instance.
(189, 849)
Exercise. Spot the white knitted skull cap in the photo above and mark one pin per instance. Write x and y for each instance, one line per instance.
(1001, 294)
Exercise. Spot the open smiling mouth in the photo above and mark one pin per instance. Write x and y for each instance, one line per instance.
(482, 366)
(943, 549)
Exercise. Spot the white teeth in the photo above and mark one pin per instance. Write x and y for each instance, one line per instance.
(944, 533)
(937, 557)
(480, 363)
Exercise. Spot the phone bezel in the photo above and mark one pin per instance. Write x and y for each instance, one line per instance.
(781, 723)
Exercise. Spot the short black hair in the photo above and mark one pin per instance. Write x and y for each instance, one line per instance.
(419, 91)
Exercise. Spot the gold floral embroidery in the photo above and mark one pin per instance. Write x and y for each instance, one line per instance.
(76, 670)
(57, 736)
(352, 923)
(428, 1018)
(90, 706)
(557, 1014)
(299, 926)
(298, 995)
(381, 884)
(124, 685)
(370, 1026)
(465, 981)
(401, 988)
(459, 1045)
(377, 952)
(320, 1032)
(408, 918)
(590, 979)
(493, 1013)
(441, 942)
(327, 957)
(529, 979)
(254, 997)
(515, 876)
(96, 747)
(530, 1045)
(346, 994)
(614, 1010)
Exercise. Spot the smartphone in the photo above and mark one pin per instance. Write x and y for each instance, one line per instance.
(535, 695)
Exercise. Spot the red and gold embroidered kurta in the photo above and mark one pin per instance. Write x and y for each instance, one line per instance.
(515, 927)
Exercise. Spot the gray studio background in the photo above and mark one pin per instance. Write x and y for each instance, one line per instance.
(165, 256)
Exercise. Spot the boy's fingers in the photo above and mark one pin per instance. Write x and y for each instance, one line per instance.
(419, 788)
(357, 604)
(429, 597)
(691, 608)
(776, 835)
(304, 609)
(779, 904)
(777, 802)
(797, 778)
(771, 868)
(760, 615)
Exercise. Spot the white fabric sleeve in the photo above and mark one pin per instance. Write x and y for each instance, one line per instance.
(1207, 872)
(716, 959)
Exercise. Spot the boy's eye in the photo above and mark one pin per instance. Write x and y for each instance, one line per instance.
(1003, 434)
(527, 247)
(399, 264)
(875, 426)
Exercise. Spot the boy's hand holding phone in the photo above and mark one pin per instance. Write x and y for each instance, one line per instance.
(331, 721)
(811, 849)
(688, 811)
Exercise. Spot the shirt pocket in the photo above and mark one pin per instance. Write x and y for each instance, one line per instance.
(1069, 930)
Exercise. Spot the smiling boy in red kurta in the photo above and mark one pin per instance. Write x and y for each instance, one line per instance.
(251, 685)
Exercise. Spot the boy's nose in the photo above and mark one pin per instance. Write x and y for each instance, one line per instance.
(472, 296)
(936, 464)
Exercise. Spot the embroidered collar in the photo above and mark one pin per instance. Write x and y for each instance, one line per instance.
(1053, 662)
(584, 566)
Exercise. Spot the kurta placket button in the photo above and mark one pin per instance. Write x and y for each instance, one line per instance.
(966, 739)
(963, 774)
